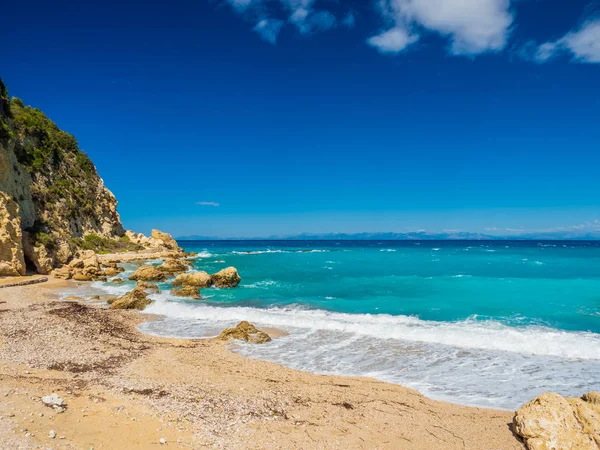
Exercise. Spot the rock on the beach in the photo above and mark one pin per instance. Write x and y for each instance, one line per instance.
(196, 279)
(52, 434)
(62, 272)
(228, 277)
(164, 240)
(173, 266)
(551, 422)
(136, 299)
(55, 402)
(148, 273)
(246, 332)
(187, 291)
(82, 277)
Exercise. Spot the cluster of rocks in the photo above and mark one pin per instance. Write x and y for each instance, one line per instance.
(552, 422)
(88, 267)
(189, 284)
(245, 331)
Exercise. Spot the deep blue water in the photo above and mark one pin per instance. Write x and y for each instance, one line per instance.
(489, 323)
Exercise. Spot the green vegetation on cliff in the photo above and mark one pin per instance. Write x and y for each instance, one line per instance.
(104, 245)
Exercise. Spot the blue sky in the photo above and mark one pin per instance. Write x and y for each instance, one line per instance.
(323, 116)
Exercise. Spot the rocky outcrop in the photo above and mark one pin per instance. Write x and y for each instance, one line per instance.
(148, 287)
(164, 240)
(136, 299)
(246, 332)
(226, 278)
(148, 273)
(552, 422)
(187, 291)
(195, 279)
(12, 261)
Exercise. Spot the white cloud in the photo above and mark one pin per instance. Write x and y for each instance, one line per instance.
(270, 16)
(208, 204)
(269, 29)
(349, 20)
(392, 41)
(473, 26)
(582, 44)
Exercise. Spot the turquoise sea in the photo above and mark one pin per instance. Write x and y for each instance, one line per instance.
(490, 323)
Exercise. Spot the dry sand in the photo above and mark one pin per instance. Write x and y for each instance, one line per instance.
(127, 390)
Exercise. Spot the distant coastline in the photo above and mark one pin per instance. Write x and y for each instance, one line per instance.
(557, 236)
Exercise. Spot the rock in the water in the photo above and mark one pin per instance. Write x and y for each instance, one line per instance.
(551, 422)
(12, 260)
(136, 299)
(82, 277)
(187, 291)
(110, 272)
(228, 277)
(149, 288)
(117, 280)
(196, 279)
(173, 266)
(246, 332)
(148, 273)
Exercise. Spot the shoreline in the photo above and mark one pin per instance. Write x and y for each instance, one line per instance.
(117, 379)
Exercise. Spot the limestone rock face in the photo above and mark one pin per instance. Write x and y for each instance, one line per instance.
(246, 332)
(12, 261)
(195, 279)
(37, 254)
(228, 277)
(148, 273)
(187, 291)
(136, 299)
(551, 422)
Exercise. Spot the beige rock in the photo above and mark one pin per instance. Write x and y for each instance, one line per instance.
(136, 299)
(148, 287)
(173, 266)
(196, 279)
(62, 272)
(164, 240)
(246, 332)
(82, 277)
(117, 281)
(187, 291)
(110, 272)
(12, 260)
(148, 273)
(228, 277)
(551, 422)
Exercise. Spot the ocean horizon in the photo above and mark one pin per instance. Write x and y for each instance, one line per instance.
(480, 323)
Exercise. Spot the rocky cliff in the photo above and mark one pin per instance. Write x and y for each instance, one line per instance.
(52, 200)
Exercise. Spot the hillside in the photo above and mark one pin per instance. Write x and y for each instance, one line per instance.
(52, 200)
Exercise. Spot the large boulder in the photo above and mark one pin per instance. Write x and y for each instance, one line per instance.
(164, 240)
(12, 260)
(225, 278)
(187, 291)
(173, 266)
(147, 287)
(246, 332)
(551, 422)
(196, 279)
(148, 273)
(136, 299)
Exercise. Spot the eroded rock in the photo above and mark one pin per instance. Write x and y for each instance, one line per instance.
(12, 260)
(551, 422)
(148, 273)
(246, 332)
(187, 291)
(136, 299)
(196, 279)
(225, 278)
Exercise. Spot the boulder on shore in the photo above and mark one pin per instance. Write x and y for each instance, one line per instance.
(136, 299)
(187, 291)
(148, 273)
(196, 279)
(164, 240)
(228, 277)
(552, 422)
(246, 332)
(12, 259)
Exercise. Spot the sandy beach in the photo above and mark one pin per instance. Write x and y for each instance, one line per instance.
(124, 389)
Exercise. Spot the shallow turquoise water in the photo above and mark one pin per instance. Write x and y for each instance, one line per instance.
(482, 323)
